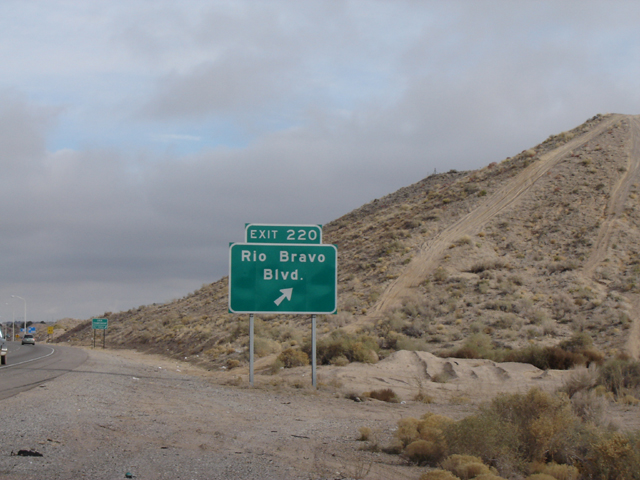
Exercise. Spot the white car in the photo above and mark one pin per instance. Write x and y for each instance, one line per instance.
(28, 340)
(3, 350)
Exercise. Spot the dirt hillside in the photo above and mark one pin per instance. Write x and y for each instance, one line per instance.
(526, 251)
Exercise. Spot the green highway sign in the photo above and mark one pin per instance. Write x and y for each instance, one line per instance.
(283, 278)
(99, 323)
(298, 234)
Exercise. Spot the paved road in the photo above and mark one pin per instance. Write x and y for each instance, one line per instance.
(31, 365)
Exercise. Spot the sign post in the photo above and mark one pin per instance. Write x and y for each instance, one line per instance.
(283, 269)
(99, 324)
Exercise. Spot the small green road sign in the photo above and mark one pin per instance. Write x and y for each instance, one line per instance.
(273, 278)
(298, 234)
(99, 323)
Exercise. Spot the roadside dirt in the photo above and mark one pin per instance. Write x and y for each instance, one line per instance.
(124, 412)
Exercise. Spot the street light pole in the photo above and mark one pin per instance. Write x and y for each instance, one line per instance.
(25, 311)
(13, 321)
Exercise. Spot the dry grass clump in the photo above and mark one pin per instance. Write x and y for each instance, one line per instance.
(536, 433)
(365, 434)
(620, 375)
(384, 395)
(485, 265)
(554, 471)
(340, 345)
(465, 466)
(422, 440)
(575, 352)
(438, 475)
(292, 357)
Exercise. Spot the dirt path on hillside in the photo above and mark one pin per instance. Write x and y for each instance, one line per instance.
(612, 217)
(617, 199)
(430, 253)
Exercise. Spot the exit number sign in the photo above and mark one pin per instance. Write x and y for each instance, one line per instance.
(298, 234)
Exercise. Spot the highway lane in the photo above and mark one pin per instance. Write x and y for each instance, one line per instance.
(31, 365)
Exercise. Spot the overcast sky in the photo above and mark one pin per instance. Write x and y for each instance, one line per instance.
(138, 137)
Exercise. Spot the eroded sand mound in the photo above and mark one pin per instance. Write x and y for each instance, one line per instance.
(443, 379)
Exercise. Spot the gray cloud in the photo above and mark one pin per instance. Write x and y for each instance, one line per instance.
(338, 104)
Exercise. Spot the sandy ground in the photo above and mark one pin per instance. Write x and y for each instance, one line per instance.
(124, 412)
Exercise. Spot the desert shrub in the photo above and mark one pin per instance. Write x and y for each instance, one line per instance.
(292, 357)
(578, 342)
(411, 344)
(440, 275)
(465, 466)
(365, 434)
(557, 471)
(613, 456)
(534, 433)
(265, 346)
(515, 430)
(478, 345)
(424, 452)
(385, 395)
(487, 265)
(546, 358)
(361, 348)
(422, 397)
(619, 375)
(340, 361)
(629, 400)
(407, 431)
(438, 475)
(423, 440)
(276, 366)
(589, 406)
(485, 436)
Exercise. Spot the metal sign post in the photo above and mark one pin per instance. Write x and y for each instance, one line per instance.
(251, 349)
(99, 324)
(313, 351)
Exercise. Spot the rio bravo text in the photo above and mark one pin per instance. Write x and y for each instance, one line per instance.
(282, 278)
(285, 257)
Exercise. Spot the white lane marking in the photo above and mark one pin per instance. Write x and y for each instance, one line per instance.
(32, 360)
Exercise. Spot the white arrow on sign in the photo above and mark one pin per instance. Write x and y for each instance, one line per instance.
(286, 293)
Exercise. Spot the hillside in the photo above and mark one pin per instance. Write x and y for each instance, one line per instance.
(528, 250)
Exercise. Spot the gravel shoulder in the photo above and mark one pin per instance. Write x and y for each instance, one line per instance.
(122, 411)
(125, 412)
